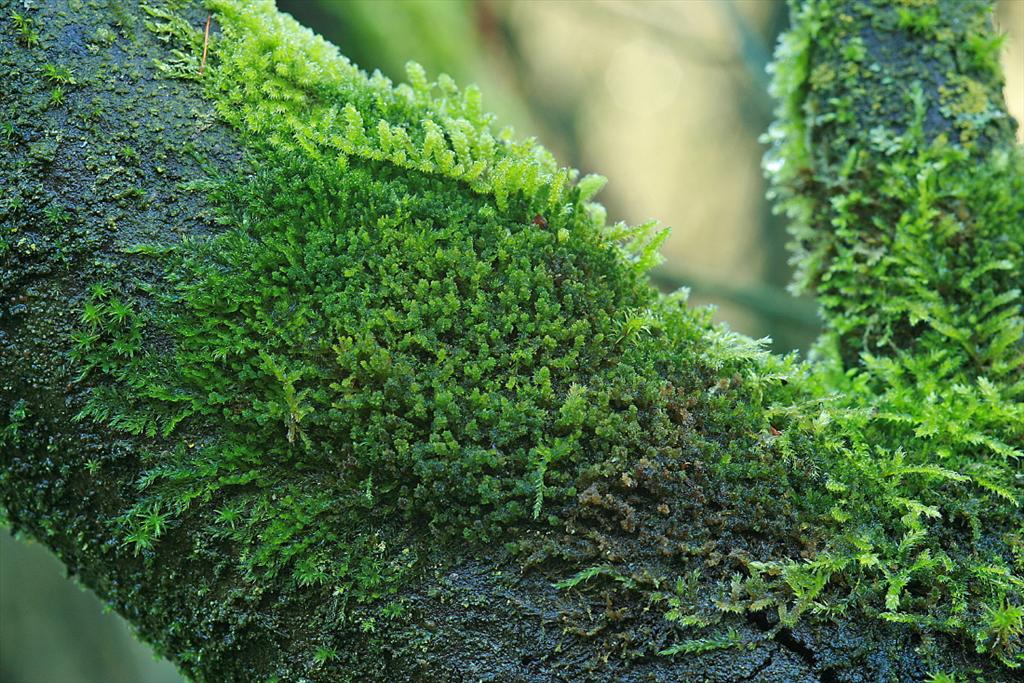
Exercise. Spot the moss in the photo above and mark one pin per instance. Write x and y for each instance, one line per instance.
(26, 29)
(466, 374)
(64, 234)
(103, 37)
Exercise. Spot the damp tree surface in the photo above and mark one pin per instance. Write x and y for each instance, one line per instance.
(317, 377)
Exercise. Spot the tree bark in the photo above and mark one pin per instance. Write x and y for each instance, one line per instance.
(106, 158)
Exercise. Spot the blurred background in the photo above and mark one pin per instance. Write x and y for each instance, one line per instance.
(665, 98)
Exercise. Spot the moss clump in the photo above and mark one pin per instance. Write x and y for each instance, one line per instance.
(26, 29)
(444, 333)
(322, 105)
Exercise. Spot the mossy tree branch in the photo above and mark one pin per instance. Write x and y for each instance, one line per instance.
(313, 377)
(885, 108)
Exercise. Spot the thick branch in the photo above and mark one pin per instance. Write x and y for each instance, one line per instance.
(245, 537)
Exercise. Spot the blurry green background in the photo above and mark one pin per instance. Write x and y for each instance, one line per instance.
(667, 99)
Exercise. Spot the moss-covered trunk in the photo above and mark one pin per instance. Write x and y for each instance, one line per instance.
(316, 378)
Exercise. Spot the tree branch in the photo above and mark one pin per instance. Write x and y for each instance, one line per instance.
(884, 108)
(312, 377)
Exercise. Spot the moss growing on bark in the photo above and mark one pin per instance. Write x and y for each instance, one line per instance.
(438, 330)
(907, 194)
(408, 338)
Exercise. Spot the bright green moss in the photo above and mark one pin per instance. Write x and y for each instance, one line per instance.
(427, 326)
(283, 81)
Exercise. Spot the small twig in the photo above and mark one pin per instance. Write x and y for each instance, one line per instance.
(206, 43)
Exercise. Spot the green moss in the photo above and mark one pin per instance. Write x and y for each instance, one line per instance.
(408, 349)
(408, 316)
(26, 29)
(103, 37)
(16, 416)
